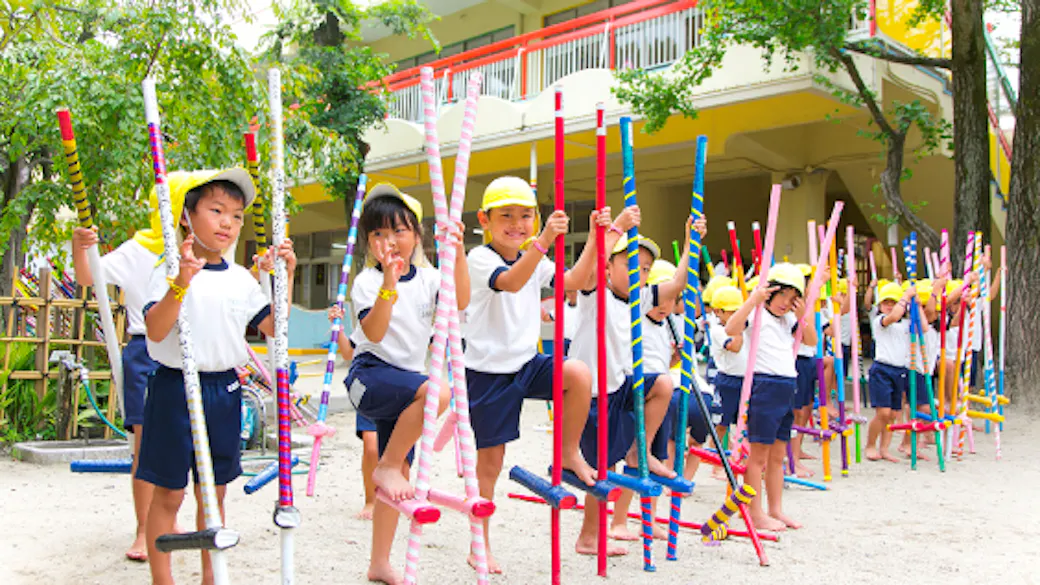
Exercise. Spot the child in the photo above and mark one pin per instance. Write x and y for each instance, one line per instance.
(807, 385)
(129, 267)
(221, 300)
(729, 354)
(888, 374)
(770, 413)
(364, 428)
(394, 299)
(503, 366)
(618, 336)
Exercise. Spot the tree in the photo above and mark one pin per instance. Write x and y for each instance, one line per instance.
(340, 78)
(785, 29)
(91, 57)
(1023, 224)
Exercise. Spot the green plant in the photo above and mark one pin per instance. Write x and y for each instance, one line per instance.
(26, 416)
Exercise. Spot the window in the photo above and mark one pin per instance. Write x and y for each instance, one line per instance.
(459, 47)
(583, 10)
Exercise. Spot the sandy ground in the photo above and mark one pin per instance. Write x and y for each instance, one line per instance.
(977, 523)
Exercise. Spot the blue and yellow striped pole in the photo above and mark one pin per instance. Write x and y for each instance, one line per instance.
(689, 296)
(634, 305)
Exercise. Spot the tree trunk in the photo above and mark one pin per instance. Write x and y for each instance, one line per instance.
(1023, 224)
(893, 193)
(971, 209)
(16, 178)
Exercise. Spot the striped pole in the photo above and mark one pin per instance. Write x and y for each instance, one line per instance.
(259, 228)
(972, 264)
(987, 345)
(813, 290)
(559, 297)
(635, 311)
(192, 391)
(721, 517)
(319, 430)
(851, 273)
(1003, 327)
(693, 256)
(738, 262)
(601, 347)
(286, 516)
(839, 357)
(910, 258)
(97, 272)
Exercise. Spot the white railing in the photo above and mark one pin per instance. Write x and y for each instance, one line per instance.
(659, 42)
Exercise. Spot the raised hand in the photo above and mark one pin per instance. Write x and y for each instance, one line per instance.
(190, 265)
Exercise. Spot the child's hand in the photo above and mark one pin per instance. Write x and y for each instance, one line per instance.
(84, 238)
(628, 219)
(287, 253)
(701, 227)
(762, 293)
(557, 225)
(189, 265)
(872, 284)
(910, 293)
(392, 263)
(459, 237)
(335, 312)
(939, 285)
(599, 217)
(799, 307)
(986, 261)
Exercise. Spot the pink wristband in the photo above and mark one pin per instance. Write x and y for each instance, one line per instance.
(615, 228)
(538, 246)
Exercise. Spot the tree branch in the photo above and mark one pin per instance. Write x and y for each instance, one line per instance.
(865, 93)
(903, 59)
(155, 54)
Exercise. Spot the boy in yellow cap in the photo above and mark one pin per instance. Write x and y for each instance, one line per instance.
(503, 366)
(221, 299)
(888, 374)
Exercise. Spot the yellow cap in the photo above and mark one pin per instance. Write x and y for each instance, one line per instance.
(506, 191)
(714, 283)
(180, 182)
(642, 241)
(661, 271)
(882, 282)
(890, 292)
(751, 283)
(805, 268)
(843, 286)
(389, 190)
(727, 298)
(788, 274)
(924, 290)
(953, 285)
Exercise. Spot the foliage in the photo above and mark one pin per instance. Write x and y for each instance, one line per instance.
(26, 417)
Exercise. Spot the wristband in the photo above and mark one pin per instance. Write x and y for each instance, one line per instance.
(178, 291)
(388, 294)
(538, 246)
(615, 228)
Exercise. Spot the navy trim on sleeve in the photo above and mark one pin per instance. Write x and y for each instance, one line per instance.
(148, 305)
(260, 316)
(654, 295)
(494, 277)
(363, 314)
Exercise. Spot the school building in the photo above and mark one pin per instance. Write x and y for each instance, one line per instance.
(764, 126)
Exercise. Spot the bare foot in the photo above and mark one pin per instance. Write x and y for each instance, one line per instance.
(872, 454)
(138, 550)
(587, 545)
(576, 463)
(922, 456)
(716, 473)
(904, 449)
(492, 564)
(384, 573)
(889, 457)
(658, 468)
(659, 532)
(788, 522)
(621, 532)
(803, 471)
(365, 513)
(768, 523)
(804, 455)
(395, 485)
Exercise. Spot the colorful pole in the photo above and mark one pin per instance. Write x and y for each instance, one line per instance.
(319, 430)
(910, 253)
(817, 279)
(693, 256)
(559, 297)
(756, 230)
(1003, 328)
(987, 345)
(839, 358)
(214, 537)
(850, 273)
(635, 311)
(601, 325)
(738, 262)
(97, 272)
(729, 507)
(895, 265)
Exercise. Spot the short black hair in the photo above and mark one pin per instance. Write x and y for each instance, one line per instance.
(783, 287)
(192, 198)
(387, 212)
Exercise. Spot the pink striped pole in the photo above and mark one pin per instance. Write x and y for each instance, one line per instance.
(850, 274)
(813, 291)
(895, 264)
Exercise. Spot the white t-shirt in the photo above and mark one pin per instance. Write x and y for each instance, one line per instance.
(570, 320)
(130, 268)
(846, 329)
(502, 328)
(951, 343)
(825, 318)
(891, 343)
(221, 302)
(657, 346)
(775, 340)
(411, 321)
(618, 336)
(726, 361)
(931, 347)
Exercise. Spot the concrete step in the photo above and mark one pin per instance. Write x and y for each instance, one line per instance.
(63, 452)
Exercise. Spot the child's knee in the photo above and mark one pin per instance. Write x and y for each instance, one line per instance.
(577, 377)
(167, 499)
(661, 390)
(490, 461)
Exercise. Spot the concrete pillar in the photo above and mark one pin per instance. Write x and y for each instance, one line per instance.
(797, 206)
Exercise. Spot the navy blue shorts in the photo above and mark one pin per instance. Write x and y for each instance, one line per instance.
(769, 409)
(495, 400)
(846, 356)
(566, 347)
(363, 424)
(711, 371)
(727, 388)
(380, 392)
(167, 452)
(137, 365)
(621, 425)
(976, 369)
(807, 382)
(922, 389)
(698, 431)
(887, 385)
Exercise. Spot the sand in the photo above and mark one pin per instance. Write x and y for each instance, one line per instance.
(976, 523)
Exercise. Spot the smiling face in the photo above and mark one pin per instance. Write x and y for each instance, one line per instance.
(399, 238)
(216, 216)
(509, 226)
(782, 301)
(617, 271)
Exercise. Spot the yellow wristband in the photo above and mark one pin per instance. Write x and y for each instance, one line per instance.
(388, 295)
(178, 291)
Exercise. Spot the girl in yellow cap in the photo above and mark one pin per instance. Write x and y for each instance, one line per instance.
(888, 374)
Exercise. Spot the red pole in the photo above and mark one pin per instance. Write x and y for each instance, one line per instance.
(757, 231)
(601, 341)
(558, 334)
